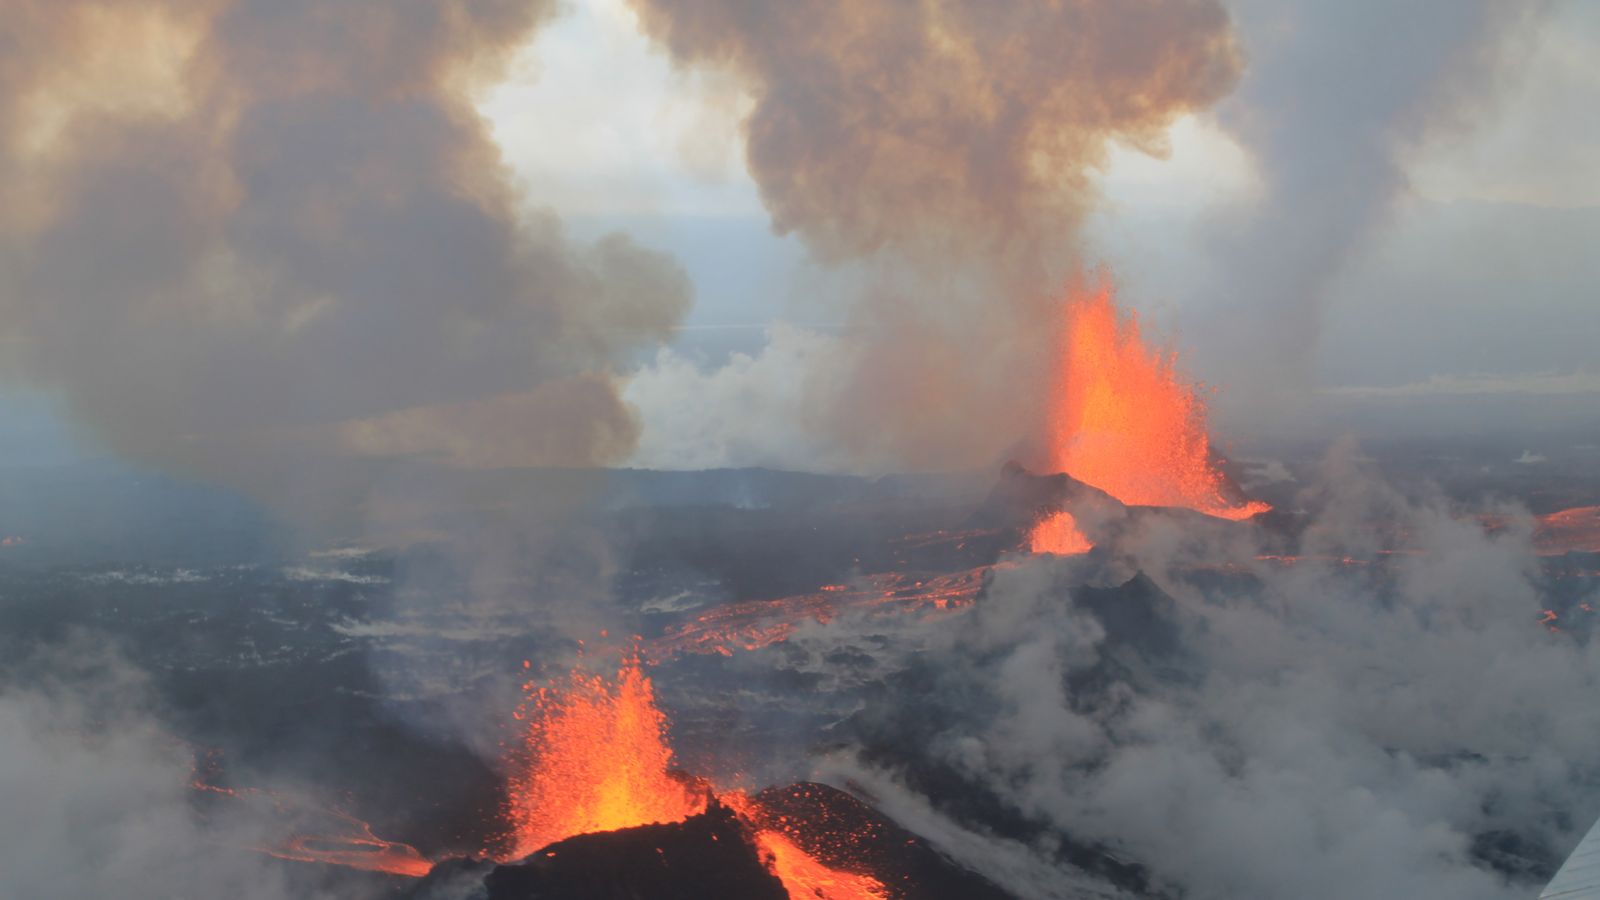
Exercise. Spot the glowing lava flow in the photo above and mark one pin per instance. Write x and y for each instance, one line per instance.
(321, 834)
(595, 758)
(802, 874)
(1058, 533)
(1123, 421)
(1574, 530)
(753, 624)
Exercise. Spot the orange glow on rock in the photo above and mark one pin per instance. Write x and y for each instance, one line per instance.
(1058, 533)
(1123, 420)
(803, 875)
(595, 757)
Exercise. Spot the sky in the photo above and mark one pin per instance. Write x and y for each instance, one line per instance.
(1476, 280)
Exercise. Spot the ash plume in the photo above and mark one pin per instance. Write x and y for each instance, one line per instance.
(236, 230)
(1336, 100)
(947, 149)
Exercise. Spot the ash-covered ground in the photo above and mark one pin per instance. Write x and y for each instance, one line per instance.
(1388, 678)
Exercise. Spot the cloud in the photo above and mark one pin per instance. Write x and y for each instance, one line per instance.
(947, 154)
(750, 411)
(1335, 101)
(261, 222)
(1541, 384)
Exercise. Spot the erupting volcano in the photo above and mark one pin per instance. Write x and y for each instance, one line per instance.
(1123, 420)
(596, 759)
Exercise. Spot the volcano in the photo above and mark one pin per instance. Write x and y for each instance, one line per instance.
(721, 853)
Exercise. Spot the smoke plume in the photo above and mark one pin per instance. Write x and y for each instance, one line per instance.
(249, 227)
(950, 148)
(1337, 99)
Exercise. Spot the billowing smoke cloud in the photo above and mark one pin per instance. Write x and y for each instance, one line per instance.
(752, 411)
(1336, 100)
(884, 124)
(1359, 724)
(951, 145)
(239, 227)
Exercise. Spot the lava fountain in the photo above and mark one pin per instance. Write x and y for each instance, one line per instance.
(1122, 419)
(594, 757)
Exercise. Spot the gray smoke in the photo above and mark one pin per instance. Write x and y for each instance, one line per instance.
(947, 149)
(237, 230)
(1335, 101)
(1331, 729)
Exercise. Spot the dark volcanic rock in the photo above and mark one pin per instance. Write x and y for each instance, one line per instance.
(713, 855)
(704, 856)
(1020, 498)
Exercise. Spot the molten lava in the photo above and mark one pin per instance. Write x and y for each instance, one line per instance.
(357, 849)
(1058, 533)
(317, 833)
(1123, 420)
(595, 758)
(1574, 530)
(803, 875)
(753, 624)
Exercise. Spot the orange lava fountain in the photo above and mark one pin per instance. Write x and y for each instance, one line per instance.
(595, 758)
(1123, 421)
(1058, 533)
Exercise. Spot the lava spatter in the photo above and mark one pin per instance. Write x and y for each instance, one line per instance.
(594, 757)
(1122, 420)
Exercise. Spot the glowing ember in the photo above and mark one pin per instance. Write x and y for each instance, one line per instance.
(802, 874)
(1123, 421)
(1059, 534)
(595, 758)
